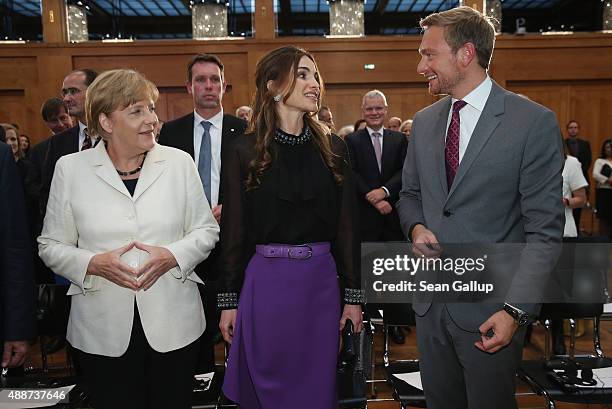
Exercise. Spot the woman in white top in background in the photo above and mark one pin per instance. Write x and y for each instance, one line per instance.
(601, 173)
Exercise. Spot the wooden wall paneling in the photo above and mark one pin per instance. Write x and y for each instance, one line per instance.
(55, 29)
(170, 71)
(12, 110)
(548, 64)
(554, 96)
(591, 106)
(51, 70)
(404, 100)
(342, 67)
(264, 19)
(20, 98)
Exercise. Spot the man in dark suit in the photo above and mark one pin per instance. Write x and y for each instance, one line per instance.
(483, 166)
(55, 114)
(74, 139)
(377, 156)
(206, 134)
(17, 304)
(580, 149)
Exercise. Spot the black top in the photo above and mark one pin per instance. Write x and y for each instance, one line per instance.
(130, 184)
(297, 202)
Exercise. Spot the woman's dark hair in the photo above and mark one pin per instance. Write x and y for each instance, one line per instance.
(603, 147)
(357, 123)
(280, 66)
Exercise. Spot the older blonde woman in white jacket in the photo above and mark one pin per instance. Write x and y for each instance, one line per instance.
(126, 223)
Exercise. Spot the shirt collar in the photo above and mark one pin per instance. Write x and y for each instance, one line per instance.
(216, 120)
(479, 95)
(371, 131)
(82, 126)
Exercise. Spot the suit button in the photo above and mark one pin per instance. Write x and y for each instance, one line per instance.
(447, 213)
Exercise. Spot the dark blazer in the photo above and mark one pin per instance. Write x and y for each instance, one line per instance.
(17, 303)
(374, 226)
(179, 134)
(583, 155)
(61, 144)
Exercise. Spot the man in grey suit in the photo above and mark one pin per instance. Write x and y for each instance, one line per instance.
(483, 166)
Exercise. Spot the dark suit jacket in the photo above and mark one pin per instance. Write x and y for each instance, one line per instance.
(374, 226)
(61, 144)
(17, 304)
(179, 134)
(583, 155)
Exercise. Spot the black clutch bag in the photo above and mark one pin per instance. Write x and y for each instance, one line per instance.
(606, 170)
(347, 353)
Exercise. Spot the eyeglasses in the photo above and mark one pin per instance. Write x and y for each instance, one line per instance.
(71, 91)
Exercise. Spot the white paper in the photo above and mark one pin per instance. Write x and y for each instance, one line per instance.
(411, 378)
(607, 308)
(205, 380)
(8, 403)
(603, 376)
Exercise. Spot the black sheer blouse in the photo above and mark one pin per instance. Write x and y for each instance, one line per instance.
(297, 202)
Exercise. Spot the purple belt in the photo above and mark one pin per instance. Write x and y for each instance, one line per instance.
(299, 252)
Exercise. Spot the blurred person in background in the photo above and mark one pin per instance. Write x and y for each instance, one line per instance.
(244, 112)
(394, 123)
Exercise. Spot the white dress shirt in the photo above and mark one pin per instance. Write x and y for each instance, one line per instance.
(470, 114)
(82, 127)
(216, 130)
(381, 131)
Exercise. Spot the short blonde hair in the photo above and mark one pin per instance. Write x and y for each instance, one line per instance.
(465, 25)
(112, 90)
(10, 127)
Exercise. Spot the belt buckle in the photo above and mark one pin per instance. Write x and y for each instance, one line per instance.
(306, 248)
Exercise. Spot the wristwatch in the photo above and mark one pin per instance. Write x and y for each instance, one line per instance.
(520, 317)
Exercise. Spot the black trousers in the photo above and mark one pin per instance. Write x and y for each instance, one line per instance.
(206, 359)
(142, 378)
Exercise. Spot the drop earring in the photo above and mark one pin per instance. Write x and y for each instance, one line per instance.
(277, 98)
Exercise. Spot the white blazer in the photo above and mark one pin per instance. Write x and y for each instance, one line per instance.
(90, 211)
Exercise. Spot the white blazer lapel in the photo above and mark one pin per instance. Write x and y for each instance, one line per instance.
(105, 170)
(154, 165)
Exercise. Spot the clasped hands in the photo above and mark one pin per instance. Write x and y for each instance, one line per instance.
(110, 266)
(377, 197)
(497, 331)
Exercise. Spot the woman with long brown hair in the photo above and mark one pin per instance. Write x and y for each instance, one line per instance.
(288, 232)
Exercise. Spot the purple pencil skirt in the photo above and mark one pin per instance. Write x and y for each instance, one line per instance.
(285, 345)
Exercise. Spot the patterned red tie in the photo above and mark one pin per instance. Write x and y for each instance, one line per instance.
(87, 141)
(451, 150)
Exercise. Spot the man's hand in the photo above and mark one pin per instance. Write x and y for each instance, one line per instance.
(158, 264)
(216, 211)
(227, 323)
(424, 242)
(14, 353)
(502, 326)
(376, 195)
(383, 207)
(110, 266)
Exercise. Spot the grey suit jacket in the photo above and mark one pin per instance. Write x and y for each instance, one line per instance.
(507, 188)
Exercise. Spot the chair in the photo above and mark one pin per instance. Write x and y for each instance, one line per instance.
(406, 394)
(536, 374)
